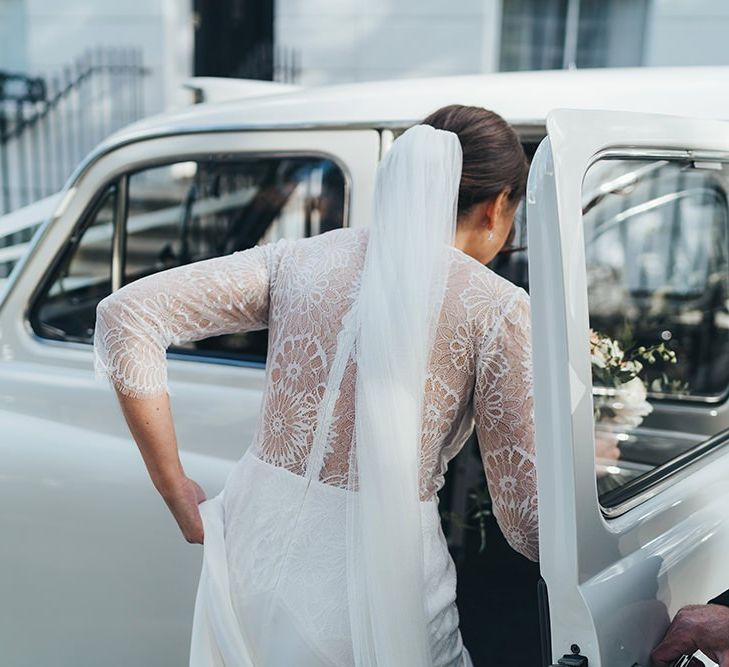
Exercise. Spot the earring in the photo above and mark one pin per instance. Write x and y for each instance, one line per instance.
(491, 236)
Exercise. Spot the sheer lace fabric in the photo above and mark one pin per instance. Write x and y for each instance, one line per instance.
(479, 374)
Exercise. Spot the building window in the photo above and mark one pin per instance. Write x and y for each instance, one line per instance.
(554, 34)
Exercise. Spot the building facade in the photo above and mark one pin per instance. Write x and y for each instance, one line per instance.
(107, 63)
(360, 40)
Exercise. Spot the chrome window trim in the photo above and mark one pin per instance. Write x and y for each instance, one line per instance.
(42, 281)
(528, 130)
(217, 361)
(668, 154)
(661, 477)
(119, 237)
(177, 356)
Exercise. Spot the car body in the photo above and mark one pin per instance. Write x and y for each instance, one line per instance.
(94, 569)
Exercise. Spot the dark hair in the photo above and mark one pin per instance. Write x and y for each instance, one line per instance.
(493, 157)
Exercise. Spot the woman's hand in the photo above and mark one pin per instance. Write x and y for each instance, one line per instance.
(606, 446)
(183, 499)
(150, 423)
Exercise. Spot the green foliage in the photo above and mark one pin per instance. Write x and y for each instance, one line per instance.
(474, 518)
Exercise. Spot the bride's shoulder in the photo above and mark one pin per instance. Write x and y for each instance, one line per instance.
(346, 236)
(483, 296)
(470, 274)
(342, 237)
(335, 249)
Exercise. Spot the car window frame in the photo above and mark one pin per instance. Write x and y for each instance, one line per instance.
(121, 182)
(615, 153)
(634, 493)
(70, 246)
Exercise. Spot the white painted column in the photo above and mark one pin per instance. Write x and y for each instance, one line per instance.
(491, 51)
(13, 36)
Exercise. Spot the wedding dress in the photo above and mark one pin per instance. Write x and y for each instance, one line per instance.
(273, 588)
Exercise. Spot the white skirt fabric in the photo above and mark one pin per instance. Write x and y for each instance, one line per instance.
(273, 586)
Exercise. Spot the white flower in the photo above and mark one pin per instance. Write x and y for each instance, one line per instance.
(634, 367)
(630, 404)
(614, 349)
(597, 359)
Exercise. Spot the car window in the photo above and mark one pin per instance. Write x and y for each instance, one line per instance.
(184, 212)
(193, 210)
(66, 307)
(657, 253)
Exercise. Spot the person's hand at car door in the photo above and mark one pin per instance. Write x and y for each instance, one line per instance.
(702, 628)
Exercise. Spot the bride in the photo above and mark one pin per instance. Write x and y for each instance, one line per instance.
(387, 345)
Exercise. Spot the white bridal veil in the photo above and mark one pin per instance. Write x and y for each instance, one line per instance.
(401, 293)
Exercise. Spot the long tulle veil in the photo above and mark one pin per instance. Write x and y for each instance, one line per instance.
(400, 297)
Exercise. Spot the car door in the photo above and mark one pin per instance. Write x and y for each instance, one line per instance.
(94, 568)
(628, 224)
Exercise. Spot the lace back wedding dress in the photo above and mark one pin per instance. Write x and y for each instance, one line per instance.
(273, 589)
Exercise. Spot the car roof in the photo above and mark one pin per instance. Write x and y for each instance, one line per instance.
(523, 98)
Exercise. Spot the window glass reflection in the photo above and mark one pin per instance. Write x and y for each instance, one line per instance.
(190, 211)
(657, 258)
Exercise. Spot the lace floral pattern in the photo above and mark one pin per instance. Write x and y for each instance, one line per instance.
(136, 324)
(480, 365)
(504, 423)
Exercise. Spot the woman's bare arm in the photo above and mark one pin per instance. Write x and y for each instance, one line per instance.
(151, 425)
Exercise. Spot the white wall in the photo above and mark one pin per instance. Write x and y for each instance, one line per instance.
(56, 33)
(361, 40)
(42, 37)
(688, 33)
(358, 40)
(12, 35)
(626, 33)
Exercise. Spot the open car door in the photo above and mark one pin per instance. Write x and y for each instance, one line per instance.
(628, 225)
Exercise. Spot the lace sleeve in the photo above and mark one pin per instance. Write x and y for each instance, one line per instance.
(503, 413)
(136, 324)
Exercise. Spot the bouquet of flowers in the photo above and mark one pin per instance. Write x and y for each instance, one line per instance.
(619, 391)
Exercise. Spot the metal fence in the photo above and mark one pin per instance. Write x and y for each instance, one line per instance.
(47, 125)
(271, 63)
(286, 65)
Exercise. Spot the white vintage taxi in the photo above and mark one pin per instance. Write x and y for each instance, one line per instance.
(628, 228)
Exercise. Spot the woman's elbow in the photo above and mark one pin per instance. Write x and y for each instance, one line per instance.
(526, 544)
(520, 526)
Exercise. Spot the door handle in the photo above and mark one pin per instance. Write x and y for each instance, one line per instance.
(574, 660)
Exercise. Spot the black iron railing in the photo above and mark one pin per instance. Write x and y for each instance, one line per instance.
(47, 125)
(270, 63)
(287, 65)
